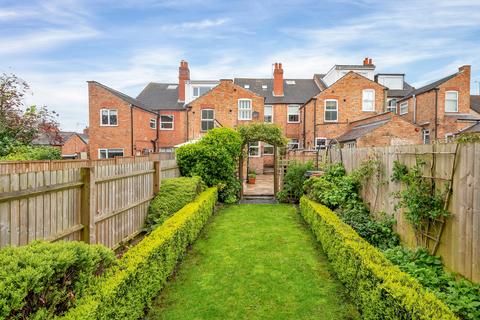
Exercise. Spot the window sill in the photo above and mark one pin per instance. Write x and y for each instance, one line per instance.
(161, 129)
(109, 125)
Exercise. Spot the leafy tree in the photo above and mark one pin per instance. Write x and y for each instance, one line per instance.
(20, 124)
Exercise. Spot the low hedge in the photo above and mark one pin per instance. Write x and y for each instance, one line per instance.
(128, 289)
(173, 195)
(44, 279)
(380, 289)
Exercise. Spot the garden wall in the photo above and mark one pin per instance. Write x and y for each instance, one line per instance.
(97, 201)
(459, 244)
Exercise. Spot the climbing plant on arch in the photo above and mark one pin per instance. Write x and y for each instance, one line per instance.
(268, 133)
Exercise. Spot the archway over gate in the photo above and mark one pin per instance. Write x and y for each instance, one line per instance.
(269, 133)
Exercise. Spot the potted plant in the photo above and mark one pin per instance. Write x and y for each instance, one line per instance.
(251, 177)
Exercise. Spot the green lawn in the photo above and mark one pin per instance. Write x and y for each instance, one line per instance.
(254, 262)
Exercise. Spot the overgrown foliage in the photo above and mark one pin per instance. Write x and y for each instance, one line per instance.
(293, 181)
(468, 137)
(42, 279)
(20, 124)
(421, 199)
(462, 297)
(174, 194)
(125, 291)
(215, 159)
(339, 192)
(269, 133)
(379, 288)
(25, 152)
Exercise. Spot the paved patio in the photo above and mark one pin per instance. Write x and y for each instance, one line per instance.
(263, 186)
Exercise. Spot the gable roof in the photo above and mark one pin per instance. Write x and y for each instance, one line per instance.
(51, 139)
(83, 137)
(361, 130)
(161, 96)
(475, 103)
(120, 95)
(296, 91)
(429, 87)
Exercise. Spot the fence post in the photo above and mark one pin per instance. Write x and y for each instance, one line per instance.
(275, 171)
(157, 176)
(88, 205)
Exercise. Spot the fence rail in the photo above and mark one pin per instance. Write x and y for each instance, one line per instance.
(97, 201)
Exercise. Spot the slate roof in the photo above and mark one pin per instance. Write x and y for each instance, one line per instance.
(475, 103)
(430, 86)
(472, 129)
(298, 93)
(361, 130)
(400, 93)
(161, 96)
(463, 116)
(47, 139)
(83, 136)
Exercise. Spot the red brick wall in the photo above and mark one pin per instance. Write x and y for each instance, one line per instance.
(74, 145)
(348, 92)
(170, 138)
(395, 132)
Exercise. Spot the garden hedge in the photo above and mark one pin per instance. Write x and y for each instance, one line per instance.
(128, 289)
(44, 279)
(379, 288)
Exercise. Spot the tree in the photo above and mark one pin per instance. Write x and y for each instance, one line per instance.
(20, 124)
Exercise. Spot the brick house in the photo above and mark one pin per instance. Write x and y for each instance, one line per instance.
(441, 108)
(73, 145)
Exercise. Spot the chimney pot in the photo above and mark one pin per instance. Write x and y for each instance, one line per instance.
(370, 61)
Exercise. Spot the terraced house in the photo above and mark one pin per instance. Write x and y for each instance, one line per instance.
(349, 105)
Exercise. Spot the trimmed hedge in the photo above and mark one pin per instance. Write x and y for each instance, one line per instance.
(379, 288)
(44, 279)
(173, 195)
(128, 289)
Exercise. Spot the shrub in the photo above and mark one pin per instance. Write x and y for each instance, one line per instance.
(294, 179)
(380, 289)
(462, 297)
(44, 279)
(24, 152)
(215, 159)
(126, 290)
(173, 195)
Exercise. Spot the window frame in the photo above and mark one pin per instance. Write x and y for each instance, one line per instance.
(289, 144)
(319, 139)
(255, 147)
(389, 107)
(108, 115)
(363, 100)
(154, 121)
(297, 114)
(264, 114)
(173, 122)
(107, 150)
(404, 103)
(425, 133)
(325, 110)
(456, 100)
(250, 110)
(209, 120)
(267, 145)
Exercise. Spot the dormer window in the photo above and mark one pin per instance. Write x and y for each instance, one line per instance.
(264, 87)
(198, 91)
(451, 101)
(368, 100)
(246, 86)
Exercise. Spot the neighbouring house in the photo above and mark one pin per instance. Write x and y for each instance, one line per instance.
(73, 145)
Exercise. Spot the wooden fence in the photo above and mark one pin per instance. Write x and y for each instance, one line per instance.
(98, 201)
(459, 241)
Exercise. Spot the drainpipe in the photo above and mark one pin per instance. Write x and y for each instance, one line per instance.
(131, 129)
(414, 109)
(314, 121)
(304, 126)
(436, 114)
(186, 138)
(155, 142)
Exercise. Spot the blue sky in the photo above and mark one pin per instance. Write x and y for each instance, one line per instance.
(56, 46)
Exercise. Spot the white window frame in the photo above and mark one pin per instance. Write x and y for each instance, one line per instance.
(449, 137)
(403, 104)
(456, 100)
(265, 114)
(425, 133)
(351, 144)
(365, 100)
(209, 120)
(319, 139)
(290, 144)
(172, 122)
(247, 111)
(107, 150)
(154, 122)
(266, 145)
(199, 88)
(390, 107)
(293, 114)
(325, 110)
(254, 147)
(109, 115)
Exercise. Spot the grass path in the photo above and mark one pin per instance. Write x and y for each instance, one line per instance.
(254, 262)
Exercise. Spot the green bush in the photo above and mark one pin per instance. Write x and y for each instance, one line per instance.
(293, 182)
(173, 195)
(462, 297)
(128, 289)
(43, 279)
(380, 289)
(24, 152)
(215, 159)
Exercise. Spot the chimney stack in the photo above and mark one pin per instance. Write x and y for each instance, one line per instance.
(183, 75)
(367, 61)
(278, 80)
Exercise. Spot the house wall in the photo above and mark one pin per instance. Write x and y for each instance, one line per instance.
(348, 92)
(395, 132)
(170, 138)
(143, 135)
(74, 145)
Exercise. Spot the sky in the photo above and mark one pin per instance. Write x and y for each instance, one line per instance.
(56, 46)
